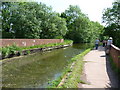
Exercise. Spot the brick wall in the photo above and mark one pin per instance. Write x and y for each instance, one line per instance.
(115, 52)
(28, 42)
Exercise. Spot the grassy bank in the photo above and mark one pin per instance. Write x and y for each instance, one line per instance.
(13, 49)
(71, 75)
(48, 45)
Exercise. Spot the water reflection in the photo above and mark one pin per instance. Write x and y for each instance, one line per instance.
(37, 69)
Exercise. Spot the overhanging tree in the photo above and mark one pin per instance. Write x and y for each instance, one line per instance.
(111, 16)
(80, 28)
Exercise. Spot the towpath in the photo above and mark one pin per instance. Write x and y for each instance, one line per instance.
(97, 71)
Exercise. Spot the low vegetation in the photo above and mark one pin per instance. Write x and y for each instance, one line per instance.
(71, 74)
(10, 50)
(48, 45)
(13, 49)
(74, 78)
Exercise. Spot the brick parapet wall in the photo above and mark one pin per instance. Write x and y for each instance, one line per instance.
(115, 53)
(28, 42)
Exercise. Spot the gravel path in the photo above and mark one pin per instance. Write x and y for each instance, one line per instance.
(97, 71)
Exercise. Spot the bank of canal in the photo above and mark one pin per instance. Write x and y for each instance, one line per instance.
(36, 70)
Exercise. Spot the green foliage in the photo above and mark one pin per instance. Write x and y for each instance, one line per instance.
(74, 78)
(28, 52)
(54, 83)
(80, 28)
(36, 20)
(31, 20)
(58, 37)
(13, 49)
(10, 50)
(66, 42)
(111, 17)
(5, 51)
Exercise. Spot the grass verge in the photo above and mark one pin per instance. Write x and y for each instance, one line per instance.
(48, 45)
(71, 74)
(5, 51)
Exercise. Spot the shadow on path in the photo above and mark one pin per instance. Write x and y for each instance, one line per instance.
(115, 83)
(114, 80)
(102, 76)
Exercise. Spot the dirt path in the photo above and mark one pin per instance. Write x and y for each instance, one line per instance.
(97, 71)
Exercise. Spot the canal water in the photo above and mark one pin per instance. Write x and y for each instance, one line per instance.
(36, 70)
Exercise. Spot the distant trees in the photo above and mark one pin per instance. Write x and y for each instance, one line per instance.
(31, 20)
(80, 28)
(111, 16)
(36, 20)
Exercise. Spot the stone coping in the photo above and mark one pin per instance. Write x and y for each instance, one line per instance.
(115, 47)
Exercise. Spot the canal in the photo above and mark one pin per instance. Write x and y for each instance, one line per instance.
(36, 70)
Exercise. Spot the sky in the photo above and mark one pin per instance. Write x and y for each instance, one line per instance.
(93, 8)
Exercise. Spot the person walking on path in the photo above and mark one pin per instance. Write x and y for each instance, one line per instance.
(97, 71)
(96, 43)
(104, 43)
(109, 42)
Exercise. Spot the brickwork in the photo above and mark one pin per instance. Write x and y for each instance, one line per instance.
(28, 42)
(115, 53)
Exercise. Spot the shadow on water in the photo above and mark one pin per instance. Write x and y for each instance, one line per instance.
(34, 71)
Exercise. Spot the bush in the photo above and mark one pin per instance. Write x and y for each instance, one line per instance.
(13, 49)
(10, 50)
(5, 51)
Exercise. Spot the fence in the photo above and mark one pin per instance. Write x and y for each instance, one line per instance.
(28, 42)
(115, 53)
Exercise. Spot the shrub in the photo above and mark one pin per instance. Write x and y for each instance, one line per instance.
(5, 51)
(10, 50)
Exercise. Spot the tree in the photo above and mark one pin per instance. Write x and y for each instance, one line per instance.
(75, 23)
(80, 28)
(31, 20)
(53, 26)
(111, 16)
